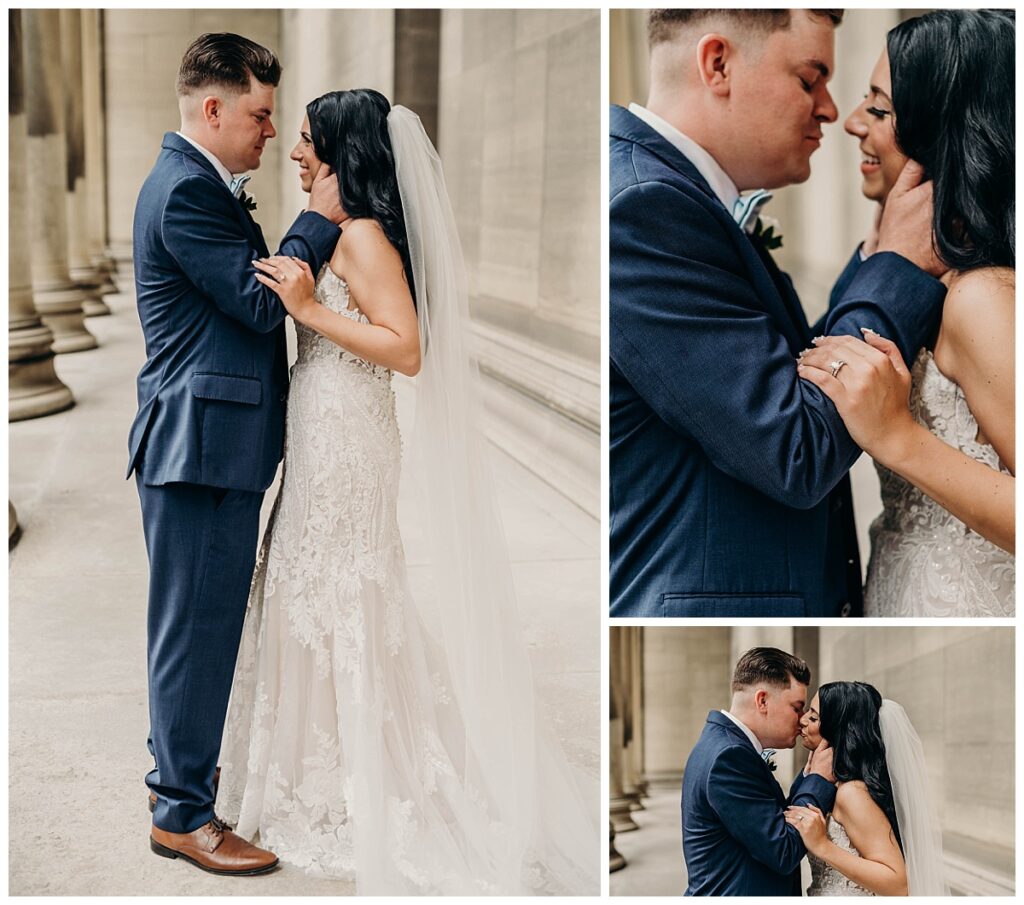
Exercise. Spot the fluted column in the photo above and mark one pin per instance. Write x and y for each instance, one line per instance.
(95, 149)
(630, 779)
(33, 387)
(619, 805)
(80, 266)
(636, 690)
(58, 299)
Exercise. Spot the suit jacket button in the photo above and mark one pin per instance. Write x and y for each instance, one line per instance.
(284, 397)
(846, 610)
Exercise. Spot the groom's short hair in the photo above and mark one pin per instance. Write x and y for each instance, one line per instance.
(769, 666)
(664, 24)
(227, 60)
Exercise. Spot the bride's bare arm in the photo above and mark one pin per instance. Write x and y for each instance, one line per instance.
(372, 268)
(976, 351)
(880, 867)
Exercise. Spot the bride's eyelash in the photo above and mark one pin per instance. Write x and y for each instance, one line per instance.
(878, 112)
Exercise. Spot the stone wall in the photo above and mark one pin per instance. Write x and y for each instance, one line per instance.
(519, 125)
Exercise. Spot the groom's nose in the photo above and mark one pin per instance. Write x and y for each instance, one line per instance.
(825, 110)
(268, 128)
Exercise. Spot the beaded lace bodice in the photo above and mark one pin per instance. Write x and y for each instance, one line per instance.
(825, 879)
(924, 560)
(344, 749)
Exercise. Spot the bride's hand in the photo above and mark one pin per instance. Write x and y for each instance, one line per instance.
(871, 390)
(810, 824)
(293, 282)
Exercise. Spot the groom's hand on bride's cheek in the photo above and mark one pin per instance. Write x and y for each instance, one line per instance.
(325, 197)
(906, 226)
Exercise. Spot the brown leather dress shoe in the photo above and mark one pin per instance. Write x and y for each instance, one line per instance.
(214, 848)
(216, 783)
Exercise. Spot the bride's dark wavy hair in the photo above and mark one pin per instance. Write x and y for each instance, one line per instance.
(953, 97)
(350, 133)
(849, 723)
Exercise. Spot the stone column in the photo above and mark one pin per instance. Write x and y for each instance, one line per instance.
(58, 299)
(32, 384)
(630, 726)
(80, 264)
(95, 149)
(638, 765)
(619, 805)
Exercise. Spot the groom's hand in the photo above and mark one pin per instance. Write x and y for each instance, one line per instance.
(821, 762)
(325, 197)
(906, 226)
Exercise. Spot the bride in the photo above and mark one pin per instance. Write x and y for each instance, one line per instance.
(942, 431)
(882, 837)
(355, 745)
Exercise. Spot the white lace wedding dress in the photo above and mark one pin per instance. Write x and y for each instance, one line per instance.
(924, 560)
(825, 879)
(344, 749)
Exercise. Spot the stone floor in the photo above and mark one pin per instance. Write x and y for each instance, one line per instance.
(78, 715)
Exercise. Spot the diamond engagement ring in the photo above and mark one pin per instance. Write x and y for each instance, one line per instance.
(836, 366)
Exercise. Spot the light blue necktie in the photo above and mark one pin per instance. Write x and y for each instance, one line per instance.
(237, 184)
(747, 208)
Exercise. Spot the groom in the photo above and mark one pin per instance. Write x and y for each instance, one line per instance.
(729, 494)
(735, 838)
(208, 435)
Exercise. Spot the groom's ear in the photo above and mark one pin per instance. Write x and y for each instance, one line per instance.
(212, 106)
(760, 699)
(714, 53)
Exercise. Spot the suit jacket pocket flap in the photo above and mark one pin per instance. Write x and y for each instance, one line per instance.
(247, 390)
(770, 605)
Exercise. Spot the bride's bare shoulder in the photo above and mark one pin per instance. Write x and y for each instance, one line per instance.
(977, 323)
(979, 297)
(850, 797)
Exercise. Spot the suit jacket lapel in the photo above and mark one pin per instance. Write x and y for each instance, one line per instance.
(174, 142)
(629, 127)
(720, 719)
(786, 293)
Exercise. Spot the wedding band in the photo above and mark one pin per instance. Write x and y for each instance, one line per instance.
(801, 817)
(836, 366)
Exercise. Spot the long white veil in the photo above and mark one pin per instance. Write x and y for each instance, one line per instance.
(915, 811)
(512, 759)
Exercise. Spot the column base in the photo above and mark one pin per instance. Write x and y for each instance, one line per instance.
(35, 390)
(60, 307)
(13, 528)
(96, 307)
(69, 332)
(620, 817)
(615, 859)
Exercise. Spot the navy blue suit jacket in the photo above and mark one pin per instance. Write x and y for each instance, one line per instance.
(729, 494)
(735, 839)
(212, 391)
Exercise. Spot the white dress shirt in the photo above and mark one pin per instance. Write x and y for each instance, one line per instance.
(222, 170)
(723, 187)
(758, 747)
